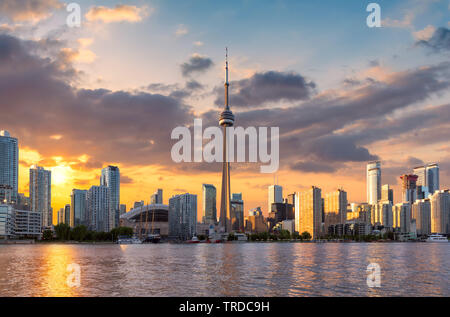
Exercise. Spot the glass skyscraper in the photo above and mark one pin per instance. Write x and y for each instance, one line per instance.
(373, 182)
(41, 193)
(111, 179)
(9, 162)
(98, 204)
(183, 216)
(78, 208)
(209, 204)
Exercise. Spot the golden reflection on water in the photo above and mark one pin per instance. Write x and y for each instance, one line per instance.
(56, 259)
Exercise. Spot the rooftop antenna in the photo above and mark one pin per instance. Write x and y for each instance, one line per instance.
(227, 84)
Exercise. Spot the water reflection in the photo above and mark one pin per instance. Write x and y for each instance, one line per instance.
(248, 269)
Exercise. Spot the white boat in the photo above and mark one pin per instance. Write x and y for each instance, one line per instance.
(133, 240)
(436, 238)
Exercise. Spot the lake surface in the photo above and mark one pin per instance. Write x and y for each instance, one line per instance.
(245, 269)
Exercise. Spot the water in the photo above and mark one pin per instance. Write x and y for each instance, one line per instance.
(247, 269)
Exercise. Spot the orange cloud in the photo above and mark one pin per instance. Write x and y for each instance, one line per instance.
(28, 10)
(119, 13)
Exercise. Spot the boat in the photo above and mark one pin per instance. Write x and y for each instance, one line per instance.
(153, 238)
(435, 237)
(193, 240)
(128, 240)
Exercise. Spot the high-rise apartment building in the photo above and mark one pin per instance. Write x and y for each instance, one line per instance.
(41, 193)
(382, 214)
(209, 204)
(401, 214)
(78, 208)
(157, 197)
(275, 196)
(409, 188)
(335, 208)
(387, 194)
(9, 163)
(421, 212)
(183, 216)
(440, 212)
(67, 215)
(98, 206)
(308, 211)
(428, 178)
(237, 213)
(373, 182)
(111, 178)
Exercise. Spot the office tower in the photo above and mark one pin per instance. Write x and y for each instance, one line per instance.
(41, 193)
(308, 211)
(111, 179)
(157, 197)
(61, 216)
(78, 208)
(421, 212)
(226, 120)
(401, 214)
(275, 196)
(409, 190)
(282, 211)
(373, 182)
(440, 212)
(67, 215)
(427, 179)
(209, 204)
(255, 221)
(387, 193)
(9, 162)
(381, 214)
(98, 206)
(237, 213)
(335, 208)
(183, 216)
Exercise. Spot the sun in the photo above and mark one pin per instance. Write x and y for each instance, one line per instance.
(61, 174)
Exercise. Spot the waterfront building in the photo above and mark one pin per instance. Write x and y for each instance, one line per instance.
(27, 224)
(67, 215)
(335, 208)
(402, 217)
(41, 193)
(6, 194)
(226, 120)
(381, 214)
(275, 195)
(157, 197)
(428, 178)
(308, 211)
(60, 216)
(9, 163)
(409, 190)
(387, 193)
(183, 216)
(110, 178)
(237, 213)
(148, 219)
(6, 221)
(421, 212)
(440, 212)
(98, 206)
(373, 182)
(255, 222)
(78, 208)
(209, 204)
(23, 202)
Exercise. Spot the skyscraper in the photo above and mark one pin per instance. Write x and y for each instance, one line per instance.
(157, 197)
(41, 193)
(421, 212)
(78, 208)
(401, 217)
(9, 162)
(308, 211)
(428, 178)
(226, 120)
(67, 215)
(98, 205)
(275, 196)
(209, 204)
(409, 188)
(183, 216)
(387, 193)
(237, 213)
(373, 182)
(111, 179)
(440, 212)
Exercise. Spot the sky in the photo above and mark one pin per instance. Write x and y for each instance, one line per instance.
(110, 91)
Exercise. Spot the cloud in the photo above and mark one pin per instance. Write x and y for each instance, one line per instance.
(271, 86)
(198, 43)
(425, 34)
(313, 167)
(439, 41)
(28, 10)
(182, 30)
(197, 63)
(119, 13)
(406, 22)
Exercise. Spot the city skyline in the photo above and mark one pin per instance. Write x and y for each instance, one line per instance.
(337, 109)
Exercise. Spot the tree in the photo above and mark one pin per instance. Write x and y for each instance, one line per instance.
(306, 236)
(62, 231)
(285, 235)
(295, 235)
(231, 237)
(47, 235)
(78, 233)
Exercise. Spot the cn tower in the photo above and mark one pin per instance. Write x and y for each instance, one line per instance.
(226, 120)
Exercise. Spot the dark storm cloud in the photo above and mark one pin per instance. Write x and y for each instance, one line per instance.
(271, 86)
(196, 63)
(37, 102)
(440, 41)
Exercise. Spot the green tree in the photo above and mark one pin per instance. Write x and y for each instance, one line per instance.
(295, 235)
(285, 235)
(306, 236)
(62, 232)
(78, 233)
(231, 237)
(47, 235)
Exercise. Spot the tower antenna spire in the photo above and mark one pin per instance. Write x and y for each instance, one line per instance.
(227, 84)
